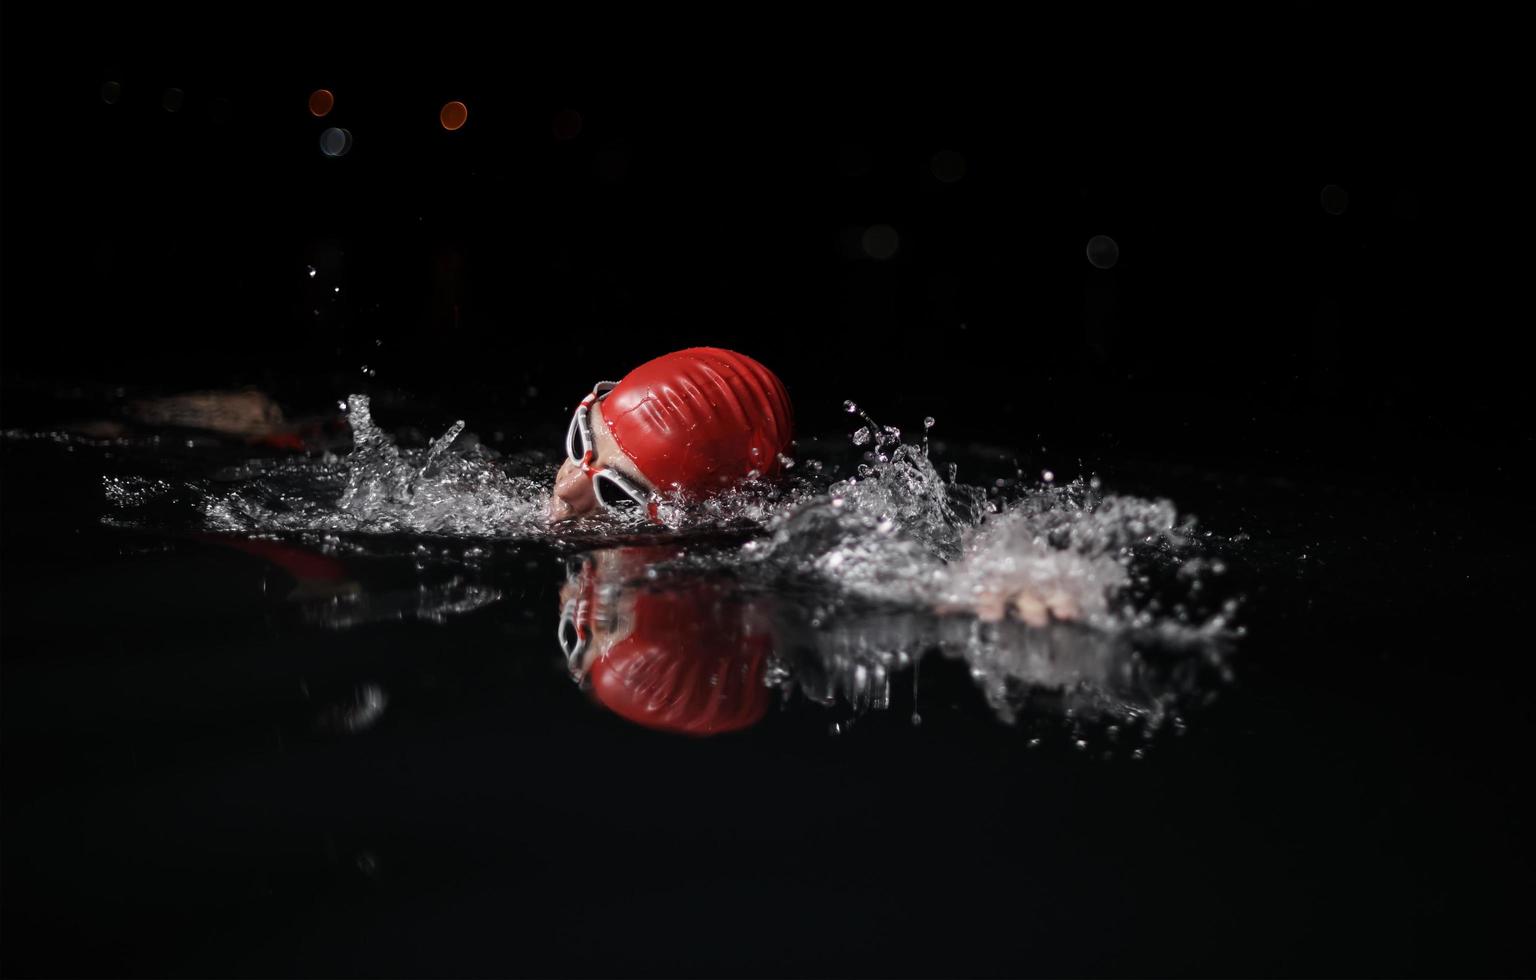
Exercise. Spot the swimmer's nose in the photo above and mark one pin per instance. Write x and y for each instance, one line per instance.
(573, 494)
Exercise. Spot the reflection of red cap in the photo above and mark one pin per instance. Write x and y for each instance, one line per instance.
(701, 420)
(690, 665)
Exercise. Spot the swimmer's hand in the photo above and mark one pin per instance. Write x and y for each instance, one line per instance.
(1027, 605)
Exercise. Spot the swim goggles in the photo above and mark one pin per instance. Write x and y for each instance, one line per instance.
(613, 489)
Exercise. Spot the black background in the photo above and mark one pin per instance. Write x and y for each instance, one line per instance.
(716, 194)
(1365, 817)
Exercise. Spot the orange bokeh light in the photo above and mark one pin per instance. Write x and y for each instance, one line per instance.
(321, 101)
(453, 115)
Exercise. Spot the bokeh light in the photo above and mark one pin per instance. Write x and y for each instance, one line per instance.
(1335, 199)
(880, 242)
(111, 92)
(335, 142)
(1103, 252)
(321, 102)
(172, 100)
(948, 166)
(567, 124)
(453, 116)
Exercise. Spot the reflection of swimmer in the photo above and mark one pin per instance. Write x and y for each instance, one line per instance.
(695, 422)
(315, 576)
(688, 658)
(696, 654)
(328, 594)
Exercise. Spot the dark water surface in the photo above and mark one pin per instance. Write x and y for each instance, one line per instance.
(200, 777)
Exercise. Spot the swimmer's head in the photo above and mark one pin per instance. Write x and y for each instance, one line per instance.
(695, 422)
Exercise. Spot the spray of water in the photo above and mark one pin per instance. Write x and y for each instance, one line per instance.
(466, 493)
(891, 529)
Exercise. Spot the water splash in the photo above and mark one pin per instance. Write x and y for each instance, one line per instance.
(900, 533)
(894, 530)
(386, 490)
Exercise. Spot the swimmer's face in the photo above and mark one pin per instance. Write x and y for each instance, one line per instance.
(573, 494)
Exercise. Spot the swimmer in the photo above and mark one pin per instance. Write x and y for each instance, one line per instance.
(697, 423)
(692, 424)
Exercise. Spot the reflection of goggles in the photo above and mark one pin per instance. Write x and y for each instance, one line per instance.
(613, 489)
(575, 632)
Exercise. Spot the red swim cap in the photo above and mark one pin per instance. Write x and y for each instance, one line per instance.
(691, 665)
(701, 420)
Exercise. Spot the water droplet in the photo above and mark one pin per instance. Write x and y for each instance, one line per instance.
(312, 272)
(1048, 476)
(850, 407)
(1081, 744)
(862, 436)
(928, 422)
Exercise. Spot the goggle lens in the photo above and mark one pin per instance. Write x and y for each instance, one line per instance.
(616, 493)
